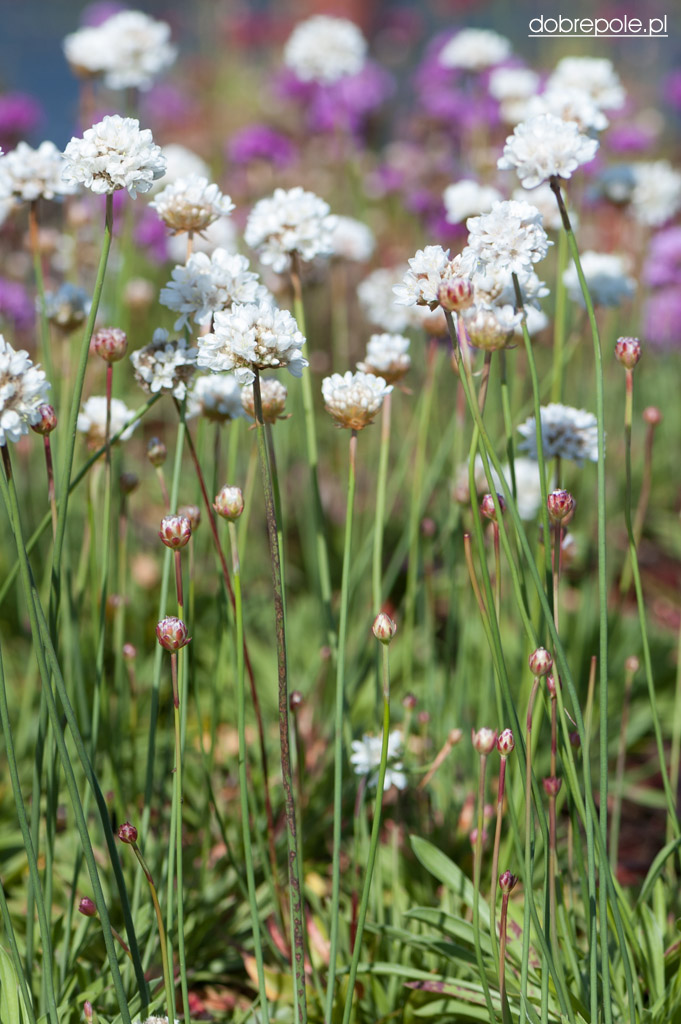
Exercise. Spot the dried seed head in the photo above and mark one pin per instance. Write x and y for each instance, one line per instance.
(172, 633)
(110, 343)
(505, 743)
(455, 294)
(192, 513)
(409, 701)
(384, 628)
(229, 503)
(652, 415)
(632, 664)
(47, 421)
(129, 652)
(157, 453)
(295, 700)
(127, 833)
(507, 882)
(628, 352)
(484, 740)
(552, 785)
(87, 908)
(541, 662)
(487, 506)
(551, 685)
(561, 505)
(175, 531)
(128, 482)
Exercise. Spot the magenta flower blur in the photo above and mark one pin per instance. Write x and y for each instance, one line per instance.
(672, 89)
(99, 12)
(663, 262)
(151, 234)
(20, 114)
(629, 138)
(345, 105)
(165, 105)
(260, 142)
(662, 320)
(16, 308)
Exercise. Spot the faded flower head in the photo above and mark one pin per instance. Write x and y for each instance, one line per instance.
(353, 240)
(567, 433)
(544, 147)
(23, 390)
(325, 49)
(607, 279)
(354, 399)
(216, 396)
(157, 452)
(252, 337)
(129, 49)
(273, 395)
(172, 634)
(191, 204)
(68, 307)
(290, 221)
(92, 420)
(465, 198)
(229, 503)
(114, 154)
(491, 327)
(366, 757)
(28, 174)
(165, 365)
(205, 285)
(595, 76)
(656, 195)
(475, 49)
(510, 236)
(387, 356)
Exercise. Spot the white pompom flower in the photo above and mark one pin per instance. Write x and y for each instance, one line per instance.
(366, 758)
(27, 174)
(325, 49)
(206, 285)
(23, 389)
(566, 433)
(92, 420)
(290, 221)
(165, 365)
(354, 399)
(387, 356)
(253, 337)
(510, 236)
(191, 204)
(546, 147)
(114, 154)
(216, 397)
(475, 49)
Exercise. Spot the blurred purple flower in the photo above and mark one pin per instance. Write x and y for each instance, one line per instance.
(16, 307)
(344, 105)
(260, 142)
(663, 263)
(19, 115)
(672, 89)
(629, 138)
(100, 11)
(163, 106)
(452, 96)
(662, 320)
(152, 235)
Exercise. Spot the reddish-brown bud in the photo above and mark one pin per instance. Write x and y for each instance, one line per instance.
(423, 717)
(552, 785)
(652, 415)
(127, 833)
(384, 628)
(507, 882)
(456, 294)
(47, 421)
(229, 503)
(128, 482)
(157, 453)
(474, 837)
(575, 740)
(628, 352)
(561, 505)
(295, 700)
(484, 740)
(171, 633)
(175, 531)
(192, 513)
(505, 743)
(87, 908)
(110, 343)
(488, 508)
(541, 662)
(409, 701)
(551, 685)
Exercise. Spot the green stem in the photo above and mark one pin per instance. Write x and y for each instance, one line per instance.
(559, 322)
(167, 976)
(477, 868)
(379, 518)
(179, 692)
(34, 241)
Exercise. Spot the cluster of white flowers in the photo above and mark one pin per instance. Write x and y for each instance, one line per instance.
(191, 204)
(354, 399)
(325, 49)
(165, 364)
(494, 285)
(23, 389)
(129, 50)
(387, 356)
(607, 279)
(205, 285)
(421, 284)
(216, 396)
(594, 76)
(544, 147)
(353, 240)
(375, 294)
(475, 49)
(465, 198)
(656, 195)
(28, 174)
(114, 154)
(180, 163)
(566, 433)
(252, 337)
(512, 87)
(510, 236)
(290, 221)
(92, 420)
(366, 758)
(569, 105)
(544, 200)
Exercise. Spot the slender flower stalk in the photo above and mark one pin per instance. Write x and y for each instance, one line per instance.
(34, 242)
(379, 520)
(505, 746)
(483, 741)
(630, 669)
(507, 882)
(652, 417)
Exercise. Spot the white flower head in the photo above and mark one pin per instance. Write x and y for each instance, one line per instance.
(257, 336)
(353, 240)
(23, 389)
(567, 433)
(354, 399)
(607, 278)
(528, 484)
(273, 395)
(475, 49)
(130, 49)
(221, 234)
(180, 163)
(421, 284)
(165, 365)
(656, 195)
(494, 286)
(387, 356)
(191, 204)
(290, 221)
(88, 52)
(545, 201)
(325, 49)
(206, 285)
(215, 396)
(513, 83)
(366, 758)
(545, 146)
(593, 75)
(92, 420)
(114, 154)
(465, 198)
(536, 320)
(510, 236)
(570, 104)
(375, 294)
(28, 174)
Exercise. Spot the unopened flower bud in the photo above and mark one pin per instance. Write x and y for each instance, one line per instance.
(456, 294)
(88, 1012)
(409, 701)
(47, 421)
(541, 662)
(552, 785)
(484, 740)
(384, 628)
(561, 505)
(295, 700)
(192, 513)
(127, 833)
(423, 717)
(551, 685)
(505, 743)
(87, 908)
(171, 633)
(110, 343)
(229, 503)
(129, 652)
(454, 736)
(507, 882)
(128, 482)
(632, 664)
(575, 740)
(652, 415)
(474, 837)
(175, 531)
(157, 453)
(488, 508)
(628, 352)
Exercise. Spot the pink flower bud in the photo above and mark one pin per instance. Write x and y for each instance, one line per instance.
(423, 717)
(384, 628)
(127, 833)
(652, 415)
(474, 837)
(552, 785)
(561, 505)
(88, 1012)
(87, 908)
(484, 740)
(409, 701)
(129, 652)
(575, 740)
(454, 736)
(456, 294)
(171, 633)
(175, 531)
(505, 743)
(487, 506)
(541, 662)
(192, 513)
(507, 882)
(110, 343)
(551, 685)
(157, 452)
(47, 421)
(632, 664)
(628, 352)
(229, 503)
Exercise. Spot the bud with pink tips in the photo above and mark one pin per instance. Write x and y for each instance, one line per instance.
(384, 628)
(456, 294)
(628, 352)
(552, 785)
(505, 743)
(561, 505)
(229, 503)
(488, 508)
(175, 531)
(127, 833)
(171, 633)
(541, 662)
(484, 740)
(110, 344)
(47, 421)
(507, 882)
